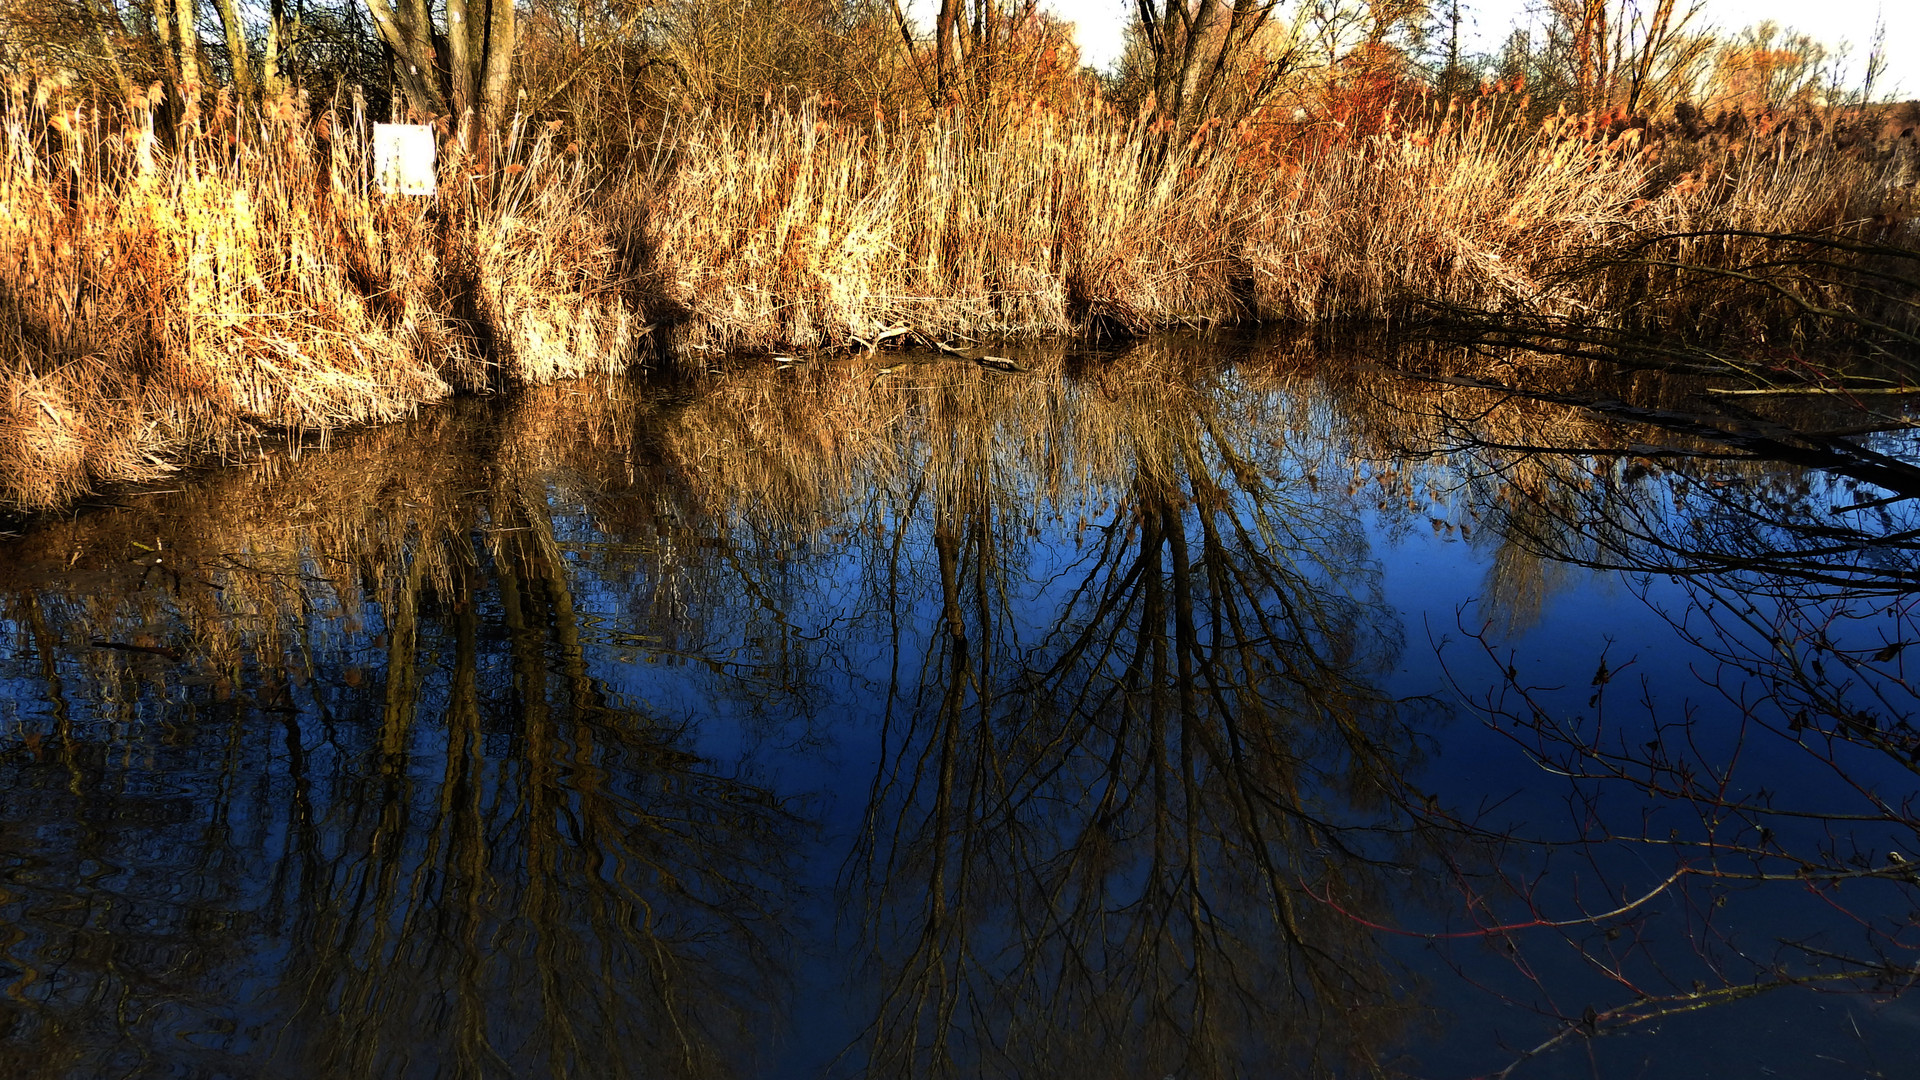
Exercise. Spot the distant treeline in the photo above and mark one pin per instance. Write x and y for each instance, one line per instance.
(608, 70)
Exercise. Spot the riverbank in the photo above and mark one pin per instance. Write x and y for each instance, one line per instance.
(160, 305)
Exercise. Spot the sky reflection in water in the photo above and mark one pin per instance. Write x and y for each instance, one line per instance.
(1168, 712)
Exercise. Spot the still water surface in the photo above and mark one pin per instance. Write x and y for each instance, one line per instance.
(1173, 711)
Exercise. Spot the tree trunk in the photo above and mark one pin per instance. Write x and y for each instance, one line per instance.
(408, 31)
(237, 55)
(1194, 43)
(180, 51)
(1592, 55)
(496, 79)
(186, 47)
(945, 30)
(277, 31)
(1193, 66)
(475, 82)
(463, 52)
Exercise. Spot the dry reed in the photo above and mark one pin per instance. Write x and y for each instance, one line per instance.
(159, 303)
(154, 303)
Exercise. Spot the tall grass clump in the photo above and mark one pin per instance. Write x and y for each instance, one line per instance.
(158, 301)
(1466, 207)
(1773, 238)
(784, 231)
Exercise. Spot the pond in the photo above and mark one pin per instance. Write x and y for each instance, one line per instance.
(1202, 707)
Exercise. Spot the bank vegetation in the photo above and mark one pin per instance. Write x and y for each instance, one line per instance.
(193, 250)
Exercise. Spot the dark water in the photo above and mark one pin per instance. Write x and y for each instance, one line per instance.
(1168, 712)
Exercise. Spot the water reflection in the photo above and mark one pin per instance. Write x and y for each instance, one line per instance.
(1048, 722)
(343, 798)
(1114, 814)
(1767, 796)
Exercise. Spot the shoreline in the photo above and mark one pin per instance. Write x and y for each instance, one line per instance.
(157, 309)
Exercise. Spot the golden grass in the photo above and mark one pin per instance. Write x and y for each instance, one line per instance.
(156, 304)
(784, 232)
(153, 304)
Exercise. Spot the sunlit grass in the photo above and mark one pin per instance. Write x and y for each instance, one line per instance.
(156, 303)
(160, 302)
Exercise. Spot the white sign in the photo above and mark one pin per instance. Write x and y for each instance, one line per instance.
(403, 159)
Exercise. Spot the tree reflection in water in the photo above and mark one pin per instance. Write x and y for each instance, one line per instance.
(345, 799)
(1094, 852)
(1767, 806)
(527, 741)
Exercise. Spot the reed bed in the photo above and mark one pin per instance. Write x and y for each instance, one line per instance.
(789, 233)
(165, 295)
(785, 232)
(155, 304)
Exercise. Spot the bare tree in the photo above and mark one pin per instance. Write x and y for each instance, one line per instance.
(464, 70)
(972, 44)
(176, 24)
(1194, 44)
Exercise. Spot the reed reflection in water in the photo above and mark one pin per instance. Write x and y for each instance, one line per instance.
(320, 782)
(993, 723)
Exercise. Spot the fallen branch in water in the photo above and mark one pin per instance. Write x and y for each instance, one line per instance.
(1794, 391)
(154, 650)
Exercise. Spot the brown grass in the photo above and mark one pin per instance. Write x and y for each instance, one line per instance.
(788, 233)
(156, 304)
